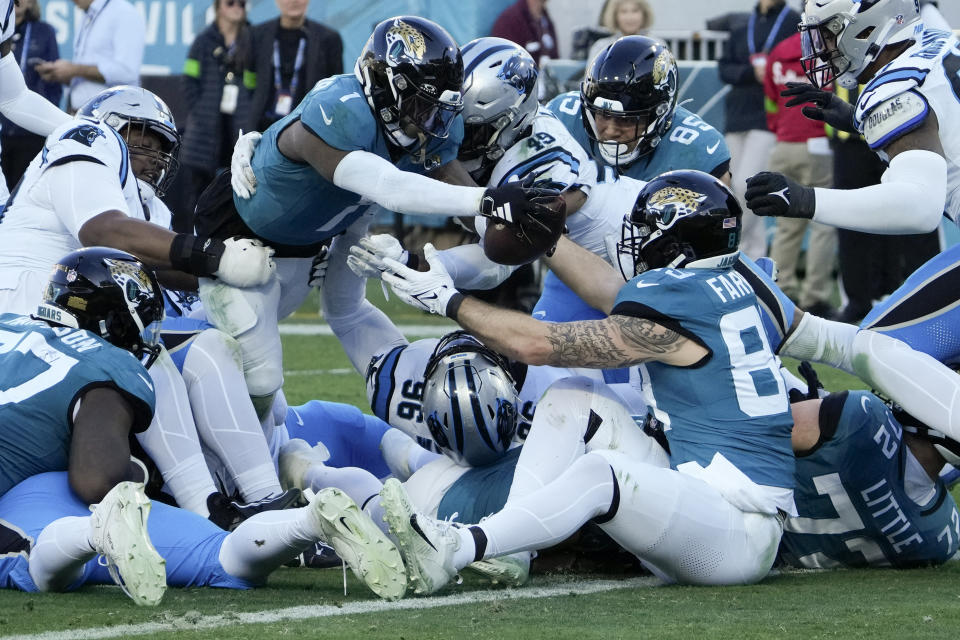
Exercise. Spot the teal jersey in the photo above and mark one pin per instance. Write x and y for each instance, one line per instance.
(44, 371)
(295, 205)
(853, 508)
(733, 402)
(690, 143)
(481, 491)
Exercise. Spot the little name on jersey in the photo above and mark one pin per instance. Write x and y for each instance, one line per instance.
(79, 340)
(730, 286)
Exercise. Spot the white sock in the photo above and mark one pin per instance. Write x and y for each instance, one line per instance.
(357, 483)
(266, 540)
(403, 455)
(172, 442)
(61, 550)
(551, 514)
(919, 383)
(224, 415)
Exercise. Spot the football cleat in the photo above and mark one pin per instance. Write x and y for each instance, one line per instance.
(228, 514)
(359, 542)
(510, 571)
(119, 534)
(296, 457)
(427, 545)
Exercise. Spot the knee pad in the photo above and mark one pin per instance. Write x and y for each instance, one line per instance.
(229, 309)
(264, 379)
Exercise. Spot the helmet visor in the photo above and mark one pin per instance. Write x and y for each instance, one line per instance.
(428, 115)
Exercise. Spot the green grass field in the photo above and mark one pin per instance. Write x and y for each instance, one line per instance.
(309, 603)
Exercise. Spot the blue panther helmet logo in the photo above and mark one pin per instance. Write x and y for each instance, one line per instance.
(84, 134)
(520, 72)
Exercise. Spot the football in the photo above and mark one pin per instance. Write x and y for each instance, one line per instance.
(505, 244)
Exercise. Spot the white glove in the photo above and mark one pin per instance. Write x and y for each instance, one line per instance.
(242, 179)
(428, 290)
(245, 263)
(367, 260)
(318, 270)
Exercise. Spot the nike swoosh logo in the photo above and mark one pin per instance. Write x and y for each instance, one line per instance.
(710, 150)
(323, 113)
(432, 296)
(641, 285)
(297, 415)
(145, 381)
(416, 527)
(343, 523)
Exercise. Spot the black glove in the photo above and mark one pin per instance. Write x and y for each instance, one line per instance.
(774, 194)
(813, 384)
(196, 255)
(827, 106)
(521, 205)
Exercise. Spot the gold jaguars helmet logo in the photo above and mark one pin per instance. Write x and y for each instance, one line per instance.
(663, 68)
(671, 202)
(404, 44)
(132, 279)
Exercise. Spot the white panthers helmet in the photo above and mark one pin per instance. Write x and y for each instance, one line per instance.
(499, 99)
(842, 37)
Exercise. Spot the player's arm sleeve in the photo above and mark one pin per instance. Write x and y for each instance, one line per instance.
(909, 199)
(471, 269)
(376, 179)
(71, 195)
(24, 107)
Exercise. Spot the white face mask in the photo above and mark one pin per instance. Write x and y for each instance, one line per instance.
(618, 154)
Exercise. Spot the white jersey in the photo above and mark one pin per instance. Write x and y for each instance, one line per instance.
(596, 226)
(395, 388)
(551, 154)
(924, 78)
(8, 19)
(44, 215)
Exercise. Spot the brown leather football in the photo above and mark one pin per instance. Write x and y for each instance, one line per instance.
(506, 244)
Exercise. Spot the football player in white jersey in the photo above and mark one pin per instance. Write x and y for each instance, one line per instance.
(905, 111)
(23, 107)
(86, 186)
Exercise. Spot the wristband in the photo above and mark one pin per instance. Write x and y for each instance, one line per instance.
(453, 305)
(195, 255)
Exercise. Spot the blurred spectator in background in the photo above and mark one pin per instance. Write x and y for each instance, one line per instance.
(291, 54)
(622, 18)
(217, 84)
(107, 51)
(34, 41)
(871, 265)
(802, 153)
(743, 65)
(527, 23)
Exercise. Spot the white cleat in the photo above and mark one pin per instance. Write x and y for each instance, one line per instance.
(295, 459)
(119, 524)
(359, 542)
(427, 545)
(510, 571)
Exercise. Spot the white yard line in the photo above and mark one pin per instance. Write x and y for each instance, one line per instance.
(349, 608)
(408, 330)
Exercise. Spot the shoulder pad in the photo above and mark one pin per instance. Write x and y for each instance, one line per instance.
(339, 116)
(888, 83)
(87, 140)
(565, 104)
(894, 117)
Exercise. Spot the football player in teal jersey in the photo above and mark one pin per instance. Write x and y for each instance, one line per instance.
(386, 135)
(868, 491)
(626, 115)
(692, 325)
(74, 387)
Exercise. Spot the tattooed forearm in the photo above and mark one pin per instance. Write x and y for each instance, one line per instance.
(617, 341)
(646, 335)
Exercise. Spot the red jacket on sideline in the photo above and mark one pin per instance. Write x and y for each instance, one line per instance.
(783, 66)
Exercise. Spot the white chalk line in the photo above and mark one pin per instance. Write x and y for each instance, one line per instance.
(308, 612)
(408, 330)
